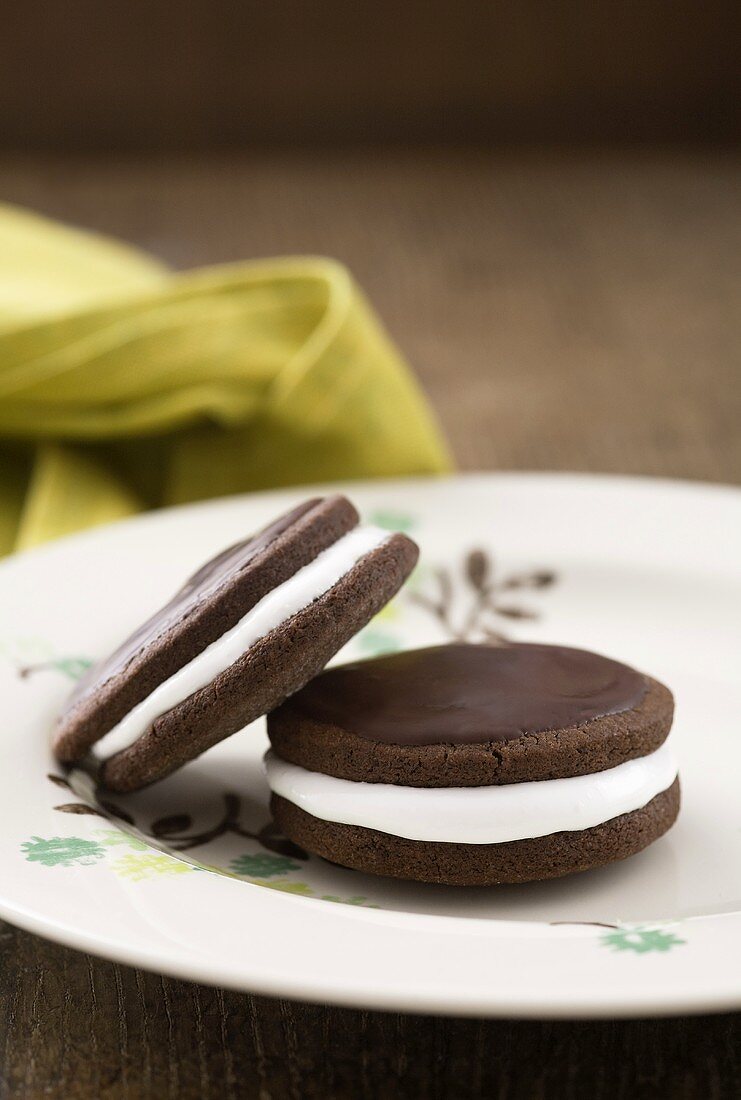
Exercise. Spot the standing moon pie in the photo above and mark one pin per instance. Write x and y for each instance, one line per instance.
(475, 765)
(252, 626)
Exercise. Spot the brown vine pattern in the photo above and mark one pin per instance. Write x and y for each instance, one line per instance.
(489, 598)
(177, 831)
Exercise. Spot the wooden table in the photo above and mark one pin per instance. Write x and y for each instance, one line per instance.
(575, 313)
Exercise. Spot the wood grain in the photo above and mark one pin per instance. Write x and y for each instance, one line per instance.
(80, 1027)
(562, 314)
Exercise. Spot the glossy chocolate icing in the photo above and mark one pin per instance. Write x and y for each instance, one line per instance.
(463, 694)
(201, 586)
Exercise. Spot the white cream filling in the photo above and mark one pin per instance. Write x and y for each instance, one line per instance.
(477, 815)
(286, 600)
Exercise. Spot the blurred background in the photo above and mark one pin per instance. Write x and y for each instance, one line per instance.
(541, 199)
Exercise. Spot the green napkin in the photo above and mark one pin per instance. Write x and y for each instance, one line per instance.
(125, 387)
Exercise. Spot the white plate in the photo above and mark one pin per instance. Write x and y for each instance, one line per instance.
(645, 571)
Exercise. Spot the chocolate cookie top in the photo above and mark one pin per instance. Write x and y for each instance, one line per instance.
(462, 694)
(469, 715)
(216, 574)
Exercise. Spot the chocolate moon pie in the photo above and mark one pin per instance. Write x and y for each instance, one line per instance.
(251, 627)
(475, 765)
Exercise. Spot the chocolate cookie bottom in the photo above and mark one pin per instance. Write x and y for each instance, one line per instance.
(480, 864)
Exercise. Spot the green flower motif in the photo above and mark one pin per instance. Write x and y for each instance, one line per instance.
(62, 851)
(74, 667)
(115, 838)
(392, 521)
(641, 940)
(376, 642)
(262, 866)
(32, 655)
(138, 866)
(302, 888)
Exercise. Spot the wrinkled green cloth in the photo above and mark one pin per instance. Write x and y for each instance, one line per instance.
(125, 387)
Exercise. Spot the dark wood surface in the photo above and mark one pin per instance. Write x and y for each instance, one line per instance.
(562, 314)
(154, 74)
